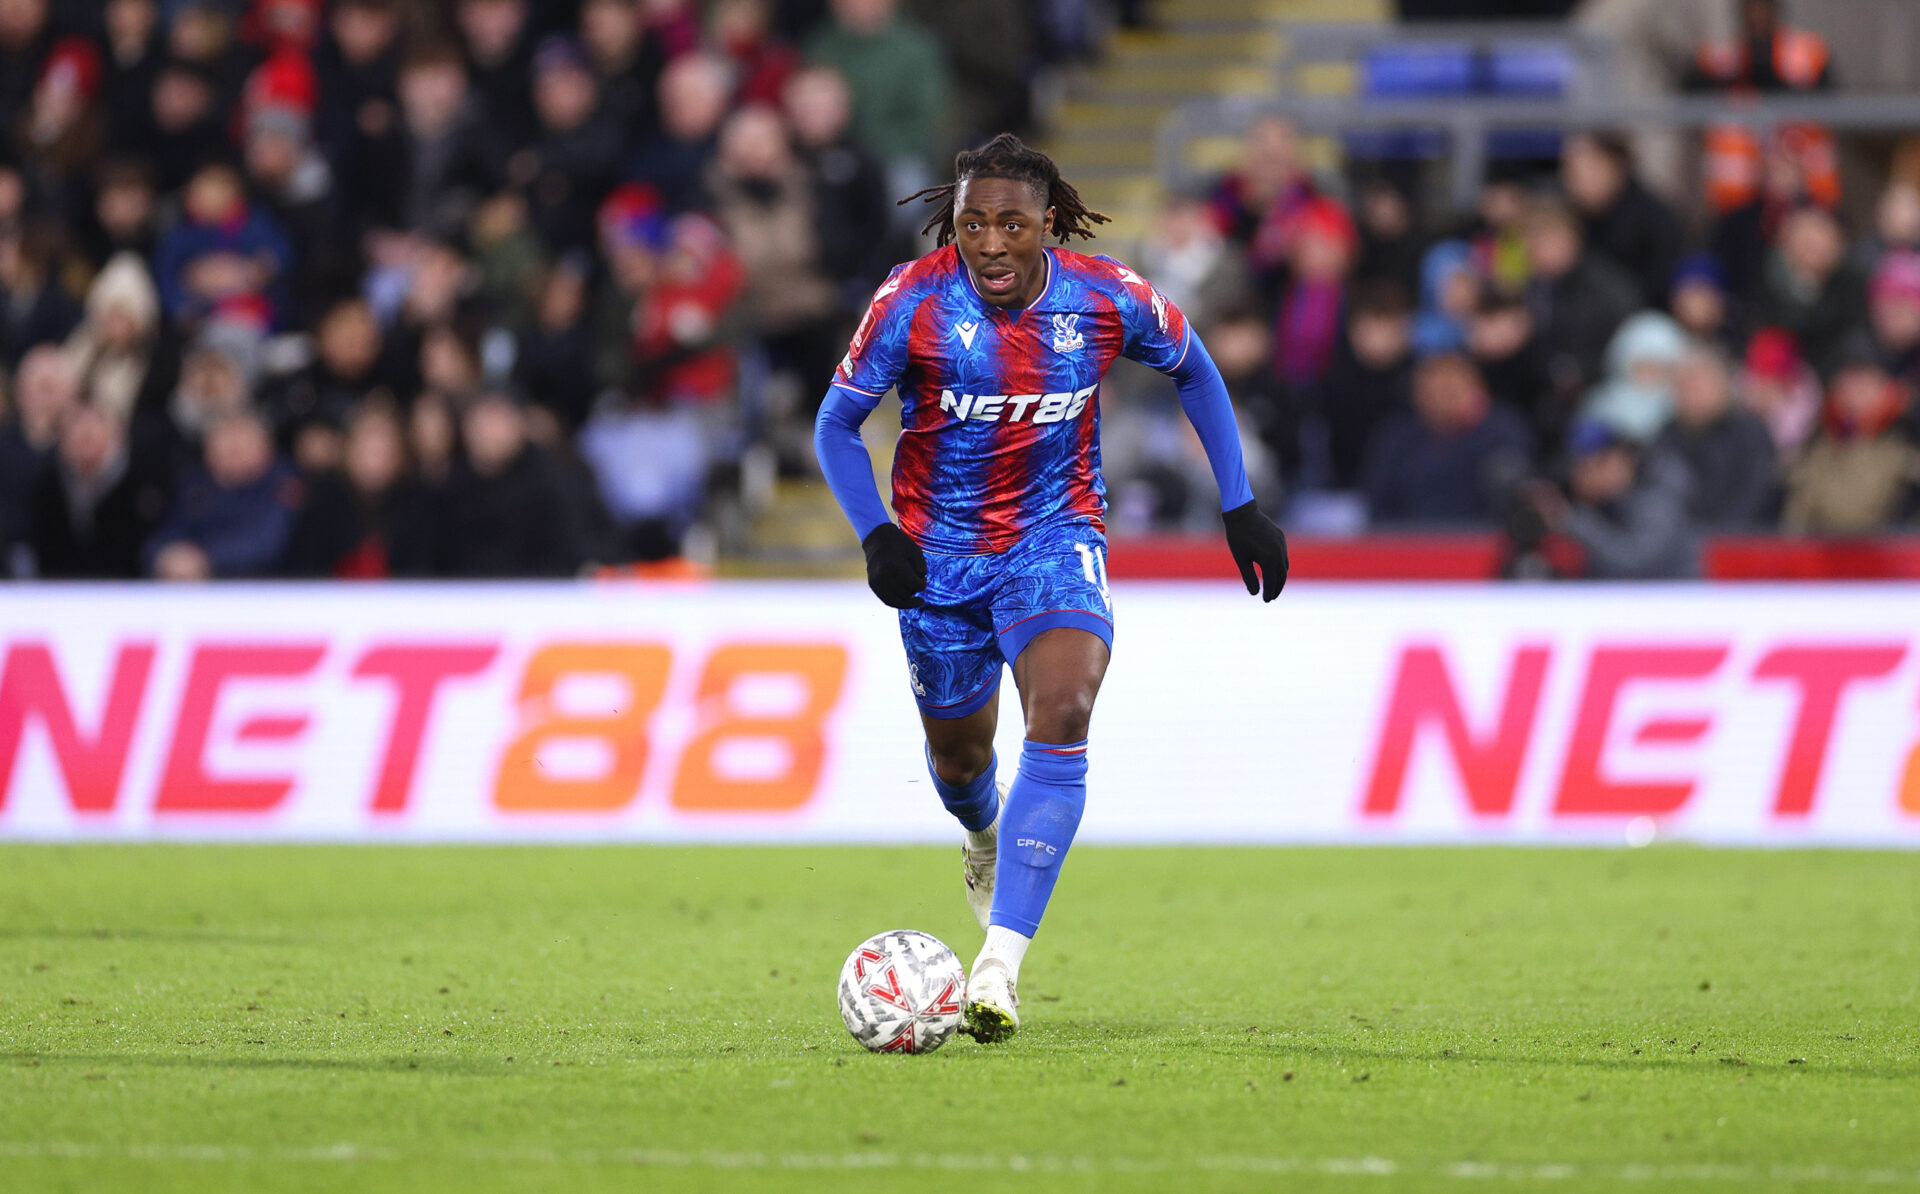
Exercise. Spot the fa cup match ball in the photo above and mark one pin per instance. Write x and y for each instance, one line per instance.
(902, 991)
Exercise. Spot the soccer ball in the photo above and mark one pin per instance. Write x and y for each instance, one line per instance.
(902, 991)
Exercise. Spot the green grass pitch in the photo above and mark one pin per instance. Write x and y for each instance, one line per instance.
(370, 1018)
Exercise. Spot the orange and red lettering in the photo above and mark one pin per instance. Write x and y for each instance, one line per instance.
(30, 687)
(1424, 693)
(1584, 790)
(185, 785)
(819, 671)
(524, 784)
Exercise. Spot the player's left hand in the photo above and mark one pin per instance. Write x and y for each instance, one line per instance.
(1253, 539)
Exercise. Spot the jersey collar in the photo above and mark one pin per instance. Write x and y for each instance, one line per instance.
(1012, 316)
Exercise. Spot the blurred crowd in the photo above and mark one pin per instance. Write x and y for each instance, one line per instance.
(1604, 377)
(448, 287)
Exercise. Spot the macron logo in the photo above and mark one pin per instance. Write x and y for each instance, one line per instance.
(966, 331)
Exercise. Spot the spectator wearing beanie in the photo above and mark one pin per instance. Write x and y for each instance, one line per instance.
(1307, 331)
(1777, 385)
(1860, 473)
(576, 154)
(295, 184)
(125, 355)
(1893, 312)
(1701, 305)
(1449, 288)
(63, 129)
(1626, 508)
(1636, 399)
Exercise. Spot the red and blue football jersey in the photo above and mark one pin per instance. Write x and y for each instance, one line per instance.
(1000, 409)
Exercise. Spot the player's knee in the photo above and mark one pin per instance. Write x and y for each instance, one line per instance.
(1060, 714)
(959, 765)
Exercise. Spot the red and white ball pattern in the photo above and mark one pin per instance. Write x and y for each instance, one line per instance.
(902, 991)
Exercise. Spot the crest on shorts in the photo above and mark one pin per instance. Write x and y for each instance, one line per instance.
(1066, 334)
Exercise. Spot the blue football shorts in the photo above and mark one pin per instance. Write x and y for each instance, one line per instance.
(981, 611)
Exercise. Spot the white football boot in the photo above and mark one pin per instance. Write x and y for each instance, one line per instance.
(978, 866)
(992, 1013)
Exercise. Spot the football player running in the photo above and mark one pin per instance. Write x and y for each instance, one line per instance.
(997, 345)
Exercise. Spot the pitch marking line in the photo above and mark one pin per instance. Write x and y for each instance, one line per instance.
(1019, 1163)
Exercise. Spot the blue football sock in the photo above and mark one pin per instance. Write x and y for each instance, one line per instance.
(1042, 814)
(977, 804)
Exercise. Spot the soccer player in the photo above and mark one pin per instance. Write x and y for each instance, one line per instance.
(998, 345)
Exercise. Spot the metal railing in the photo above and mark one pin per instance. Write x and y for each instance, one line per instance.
(1468, 120)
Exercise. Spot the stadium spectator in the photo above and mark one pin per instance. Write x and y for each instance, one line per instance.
(1623, 219)
(350, 365)
(851, 205)
(1498, 230)
(126, 357)
(989, 89)
(1700, 303)
(1371, 380)
(134, 45)
(1192, 264)
(124, 216)
(357, 121)
(762, 63)
(445, 154)
(1255, 206)
(1736, 480)
(574, 160)
(1627, 508)
(1861, 471)
(1241, 343)
(371, 519)
(693, 94)
(665, 315)
(764, 199)
(509, 512)
(1319, 254)
(63, 129)
(34, 307)
(1811, 289)
(1893, 309)
(44, 389)
(92, 511)
(899, 79)
(555, 366)
(224, 259)
(1449, 288)
(183, 130)
(24, 37)
(499, 48)
(232, 512)
(1501, 340)
(1432, 465)
(626, 64)
(1577, 298)
(1390, 244)
(1636, 398)
(1777, 385)
(295, 184)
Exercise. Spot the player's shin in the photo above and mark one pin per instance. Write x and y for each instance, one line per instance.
(1036, 827)
(974, 804)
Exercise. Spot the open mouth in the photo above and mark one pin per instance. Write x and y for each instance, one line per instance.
(999, 283)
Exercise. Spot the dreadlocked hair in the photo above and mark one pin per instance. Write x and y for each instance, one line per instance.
(1008, 157)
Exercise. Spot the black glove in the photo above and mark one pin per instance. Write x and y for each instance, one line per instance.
(1253, 539)
(896, 567)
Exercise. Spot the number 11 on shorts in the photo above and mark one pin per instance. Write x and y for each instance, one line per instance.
(1093, 562)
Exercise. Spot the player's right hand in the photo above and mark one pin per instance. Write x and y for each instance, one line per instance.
(896, 567)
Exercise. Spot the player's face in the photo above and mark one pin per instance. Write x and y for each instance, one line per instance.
(1000, 227)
